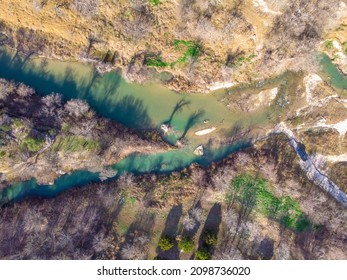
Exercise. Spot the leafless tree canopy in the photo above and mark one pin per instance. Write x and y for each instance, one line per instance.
(76, 108)
(87, 8)
(298, 30)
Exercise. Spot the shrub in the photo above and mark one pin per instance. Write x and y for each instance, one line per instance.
(166, 243)
(193, 50)
(186, 244)
(5, 128)
(210, 238)
(33, 144)
(328, 44)
(203, 254)
(156, 62)
(155, 2)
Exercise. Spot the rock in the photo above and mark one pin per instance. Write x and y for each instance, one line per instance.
(199, 151)
(165, 128)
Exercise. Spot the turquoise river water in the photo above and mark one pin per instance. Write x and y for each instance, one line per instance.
(138, 107)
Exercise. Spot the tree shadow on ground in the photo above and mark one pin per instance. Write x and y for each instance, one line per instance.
(265, 249)
(170, 229)
(212, 224)
(141, 227)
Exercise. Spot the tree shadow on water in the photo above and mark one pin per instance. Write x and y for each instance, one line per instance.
(131, 112)
(97, 89)
(178, 108)
(20, 59)
(86, 89)
(192, 120)
(170, 229)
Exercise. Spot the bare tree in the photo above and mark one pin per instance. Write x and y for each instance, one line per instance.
(199, 177)
(34, 221)
(102, 242)
(107, 173)
(136, 249)
(51, 103)
(24, 90)
(126, 180)
(76, 107)
(193, 218)
(87, 8)
(221, 179)
(142, 20)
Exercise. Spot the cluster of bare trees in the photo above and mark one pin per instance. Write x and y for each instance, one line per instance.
(297, 31)
(30, 42)
(73, 226)
(142, 21)
(197, 20)
(57, 126)
(5, 35)
(87, 8)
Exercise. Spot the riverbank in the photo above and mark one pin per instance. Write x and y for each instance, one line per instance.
(191, 201)
(61, 137)
(169, 40)
(142, 108)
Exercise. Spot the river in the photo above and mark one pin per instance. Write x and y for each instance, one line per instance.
(139, 107)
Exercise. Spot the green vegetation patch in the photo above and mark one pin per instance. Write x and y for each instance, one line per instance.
(192, 50)
(252, 192)
(155, 61)
(17, 122)
(186, 244)
(73, 143)
(328, 44)
(203, 253)
(209, 242)
(166, 243)
(33, 144)
(2, 153)
(210, 238)
(244, 59)
(5, 128)
(155, 2)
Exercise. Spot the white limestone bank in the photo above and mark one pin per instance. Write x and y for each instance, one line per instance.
(311, 170)
(217, 86)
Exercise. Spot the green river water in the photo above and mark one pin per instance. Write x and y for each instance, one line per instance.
(136, 106)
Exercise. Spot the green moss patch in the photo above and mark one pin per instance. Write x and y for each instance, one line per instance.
(33, 144)
(73, 143)
(253, 193)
